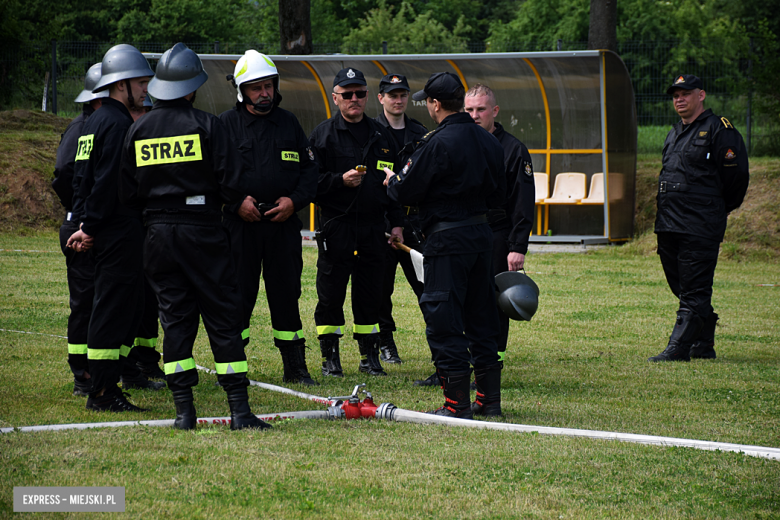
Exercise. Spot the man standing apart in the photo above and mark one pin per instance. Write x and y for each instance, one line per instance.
(80, 267)
(704, 177)
(512, 223)
(280, 179)
(455, 176)
(112, 231)
(406, 133)
(180, 165)
(352, 150)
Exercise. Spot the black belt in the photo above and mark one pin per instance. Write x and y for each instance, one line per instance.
(183, 217)
(412, 210)
(681, 187)
(441, 226)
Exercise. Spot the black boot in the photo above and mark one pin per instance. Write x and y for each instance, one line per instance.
(113, 400)
(241, 416)
(686, 329)
(293, 357)
(150, 370)
(186, 416)
(488, 381)
(133, 378)
(457, 397)
(369, 355)
(82, 386)
(431, 380)
(331, 363)
(704, 347)
(388, 347)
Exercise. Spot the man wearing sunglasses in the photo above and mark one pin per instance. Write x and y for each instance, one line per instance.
(352, 151)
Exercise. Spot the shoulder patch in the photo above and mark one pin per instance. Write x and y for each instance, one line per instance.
(726, 123)
(730, 154)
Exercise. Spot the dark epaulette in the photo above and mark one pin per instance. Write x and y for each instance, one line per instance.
(726, 123)
(429, 134)
(413, 120)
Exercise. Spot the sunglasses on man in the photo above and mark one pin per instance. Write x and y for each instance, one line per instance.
(359, 93)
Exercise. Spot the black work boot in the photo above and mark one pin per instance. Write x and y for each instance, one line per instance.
(140, 382)
(331, 362)
(113, 400)
(686, 329)
(457, 397)
(150, 370)
(388, 347)
(369, 355)
(431, 380)
(82, 386)
(488, 381)
(241, 415)
(704, 347)
(294, 361)
(186, 416)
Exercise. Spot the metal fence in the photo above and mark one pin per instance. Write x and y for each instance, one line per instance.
(51, 74)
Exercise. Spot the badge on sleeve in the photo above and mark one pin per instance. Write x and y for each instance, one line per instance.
(528, 170)
(311, 154)
(730, 154)
(406, 167)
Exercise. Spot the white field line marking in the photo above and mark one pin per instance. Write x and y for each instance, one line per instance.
(27, 251)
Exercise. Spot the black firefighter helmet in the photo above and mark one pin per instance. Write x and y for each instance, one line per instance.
(518, 295)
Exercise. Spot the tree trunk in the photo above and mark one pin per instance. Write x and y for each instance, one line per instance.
(602, 33)
(295, 26)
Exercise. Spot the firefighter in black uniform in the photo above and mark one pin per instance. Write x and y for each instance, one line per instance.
(406, 133)
(281, 178)
(351, 151)
(112, 232)
(456, 175)
(80, 267)
(180, 165)
(704, 177)
(512, 223)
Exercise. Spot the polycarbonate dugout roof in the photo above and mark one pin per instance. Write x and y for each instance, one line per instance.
(574, 110)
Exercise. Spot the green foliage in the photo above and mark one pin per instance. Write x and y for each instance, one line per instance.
(405, 32)
(541, 22)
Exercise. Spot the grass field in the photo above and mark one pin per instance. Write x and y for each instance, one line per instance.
(581, 363)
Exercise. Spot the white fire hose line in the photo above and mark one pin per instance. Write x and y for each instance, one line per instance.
(390, 412)
(34, 333)
(271, 417)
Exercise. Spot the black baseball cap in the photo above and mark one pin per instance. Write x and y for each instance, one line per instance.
(346, 77)
(441, 86)
(685, 81)
(393, 82)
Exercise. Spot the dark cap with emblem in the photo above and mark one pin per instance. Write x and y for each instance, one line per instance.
(685, 81)
(441, 86)
(346, 77)
(393, 82)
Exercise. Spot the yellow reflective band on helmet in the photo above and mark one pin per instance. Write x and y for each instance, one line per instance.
(175, 367)
(110, 354)
(290, 156)
(167, 150)
(286, 335)
(236, 367)
(366, 329)
(76, 349)
(85, 147)
(269, 62)
(243, 69)
(380, 165)
(501, 355)
(124, 350)
(329, 329)
(145, 342)
(245, 334)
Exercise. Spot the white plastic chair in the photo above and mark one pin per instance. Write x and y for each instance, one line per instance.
(569, 188)
(596, 193)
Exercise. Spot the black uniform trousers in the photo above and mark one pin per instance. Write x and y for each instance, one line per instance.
(460, 312)
(393, 257)
(145, 343)
(689, 265)
(500, 265)
(350, 250)
(81, 289)
(273, 250)
(118, 301)
(191, 271)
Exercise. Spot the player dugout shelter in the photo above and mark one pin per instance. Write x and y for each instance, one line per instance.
(574, 111)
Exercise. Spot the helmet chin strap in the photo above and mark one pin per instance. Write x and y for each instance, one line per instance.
(263, 105)
(130, 100)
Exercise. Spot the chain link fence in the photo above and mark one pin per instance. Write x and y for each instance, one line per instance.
(49, 75)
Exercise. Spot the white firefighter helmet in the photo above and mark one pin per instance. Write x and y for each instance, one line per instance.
(254, 66)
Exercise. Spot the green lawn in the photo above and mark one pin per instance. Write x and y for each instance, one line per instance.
(581, 363)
